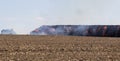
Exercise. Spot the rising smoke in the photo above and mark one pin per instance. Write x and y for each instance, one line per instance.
(79, 30)
(8, 31)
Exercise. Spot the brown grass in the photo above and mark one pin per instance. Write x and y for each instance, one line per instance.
(58, 48)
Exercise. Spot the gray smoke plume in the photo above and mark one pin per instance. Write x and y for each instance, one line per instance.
(8, 31)
(79, 30)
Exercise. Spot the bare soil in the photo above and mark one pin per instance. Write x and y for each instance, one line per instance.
(58, 48)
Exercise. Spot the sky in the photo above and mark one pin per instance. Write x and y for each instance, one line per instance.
(25, 15)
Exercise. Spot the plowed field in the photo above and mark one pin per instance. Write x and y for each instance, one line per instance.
(58, 48)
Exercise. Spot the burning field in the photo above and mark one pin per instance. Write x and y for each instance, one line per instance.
(79, 30)
(58, 48)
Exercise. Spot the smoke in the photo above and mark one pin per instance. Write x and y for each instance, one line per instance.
(79, 30)
(8, 31)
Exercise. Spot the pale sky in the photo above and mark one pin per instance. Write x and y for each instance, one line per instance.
(25, 15)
